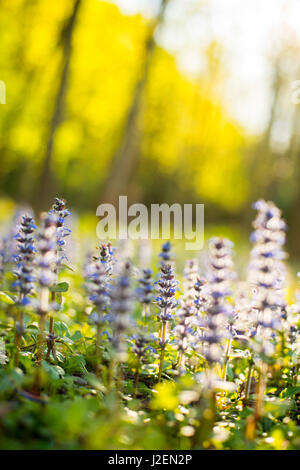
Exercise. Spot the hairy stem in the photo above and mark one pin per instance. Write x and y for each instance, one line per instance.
(98, 345)
(18, 338)
(51, 340)
(163, 347)
(18, 334)
(44, 305)
(41, 340)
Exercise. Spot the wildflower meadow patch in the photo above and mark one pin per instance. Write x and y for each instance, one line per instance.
(103, 348)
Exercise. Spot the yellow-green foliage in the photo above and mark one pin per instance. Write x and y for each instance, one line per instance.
(187, 135)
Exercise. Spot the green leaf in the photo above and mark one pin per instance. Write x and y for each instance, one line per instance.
(94, 382)
(75, 364)
(60, 357)
(230, 374)
(289, 392)
(6, 298)
(10, 380)
(68, 267)
(60, 328)
(60, 287)
(54, 372)
(277, 407)
(76, 336)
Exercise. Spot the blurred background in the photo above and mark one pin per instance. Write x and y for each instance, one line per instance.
(190, 101)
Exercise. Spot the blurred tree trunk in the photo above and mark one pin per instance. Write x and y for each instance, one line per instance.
(263, 161)
(15, 113)
(46, 181)
(284, 192)
(292, 213)
(125, 159)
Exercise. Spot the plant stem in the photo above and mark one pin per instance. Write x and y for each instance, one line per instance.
(180, 361)
(253, 420)
(248, 383)
(51, 324)
(98, 344)
(295, 378)
(207, 420)
(19, 333)
(163, 346)
(136, 381)
(119, 380)
(40, 354)
(18, 339)
(144, 312)
(161, 361)
(51, 341)
(111, 373)
(53, 297)
(44, 305)
(227, 358)
(41, 340)
(260, 392)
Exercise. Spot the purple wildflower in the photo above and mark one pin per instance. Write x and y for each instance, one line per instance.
(146, 287)
(46, 246)
(219, 313)
(267, 271)
(121, 302)
(61, 213)
(25, 259)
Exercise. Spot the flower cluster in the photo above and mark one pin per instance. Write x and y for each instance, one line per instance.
(96, 286)
(219, 313)
(61, 213)
(267, 272)
(46, 246)
(106, 257)
(140, 347)
(25, 259)
(146, 287)
(183, 329)
(167, 284)
(121, 299)
(166, 254)
(200, 297)
(8, 244)
(190, 275)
